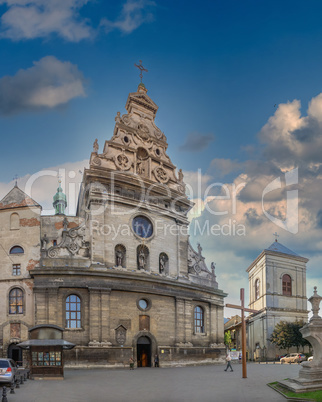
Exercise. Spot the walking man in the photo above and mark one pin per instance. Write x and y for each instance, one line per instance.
(228, 360)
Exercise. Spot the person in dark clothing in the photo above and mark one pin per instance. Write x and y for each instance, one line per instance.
(156, 361)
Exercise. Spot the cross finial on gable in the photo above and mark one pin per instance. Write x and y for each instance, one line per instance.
(15, 178)
(141, 68)
(276, 236)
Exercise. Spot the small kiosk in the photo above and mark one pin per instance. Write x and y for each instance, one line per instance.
(46, 346)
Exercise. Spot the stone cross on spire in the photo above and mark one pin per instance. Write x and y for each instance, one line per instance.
(141, 68)
(276, 236)
(15, 178)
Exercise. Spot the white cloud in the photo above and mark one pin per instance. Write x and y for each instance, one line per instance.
(30, 19)
(49, 83)
(41, 186)
(134, 13)
(289, 139)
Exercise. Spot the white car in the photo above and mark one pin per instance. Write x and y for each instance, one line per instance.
(293, 358)
(310, 359)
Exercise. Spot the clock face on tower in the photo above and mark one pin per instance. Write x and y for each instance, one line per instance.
(142, 226)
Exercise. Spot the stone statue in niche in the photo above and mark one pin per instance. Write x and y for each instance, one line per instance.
(119, 258)
(139, 168)
(163, 259)
(142, 260)
(95, 146)
(44, 242)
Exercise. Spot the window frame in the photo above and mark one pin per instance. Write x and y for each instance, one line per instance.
(199, 320)
(287, 290)
(69, 311)
(257, 289)
(15, 304)
(16, 253)
(15, 268)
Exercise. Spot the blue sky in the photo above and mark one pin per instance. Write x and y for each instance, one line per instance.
(222, 72)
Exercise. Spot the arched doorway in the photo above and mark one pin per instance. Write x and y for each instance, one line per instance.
(15, 353)
(144, 352)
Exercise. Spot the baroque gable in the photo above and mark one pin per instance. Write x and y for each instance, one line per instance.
(138, 146)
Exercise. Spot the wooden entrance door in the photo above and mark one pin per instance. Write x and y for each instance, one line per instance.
(144, 352)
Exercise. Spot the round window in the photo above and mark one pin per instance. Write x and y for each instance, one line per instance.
(142, 226)
(143, 304)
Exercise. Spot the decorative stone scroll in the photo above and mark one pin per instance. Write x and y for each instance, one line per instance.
(143, 131)
(161, 174)
(97, 161)
(73, 241)
(181, 188)
(127, 120)
(122, 162)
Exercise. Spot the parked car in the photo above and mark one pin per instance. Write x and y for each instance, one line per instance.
(310, 359)
(8, 370)
(293, 358)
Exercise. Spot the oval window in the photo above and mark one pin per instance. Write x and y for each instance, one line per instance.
(143, 304)
(142, 227)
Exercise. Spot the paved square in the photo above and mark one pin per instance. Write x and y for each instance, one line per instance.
(181, 384)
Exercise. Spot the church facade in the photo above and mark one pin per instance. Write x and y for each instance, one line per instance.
(121, 277)
(277, 289)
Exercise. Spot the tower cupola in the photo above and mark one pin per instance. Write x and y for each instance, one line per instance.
(60, 201)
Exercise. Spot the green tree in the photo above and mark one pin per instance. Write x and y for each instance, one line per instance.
(287, 335)
(227, 338)
(298, 339)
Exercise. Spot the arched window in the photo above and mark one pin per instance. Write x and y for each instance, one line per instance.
(120, 256)
(16, 250)
(199, 320)
(14, 221)
(257, 289)
(16, 301)
(73, 312)
(287, 285)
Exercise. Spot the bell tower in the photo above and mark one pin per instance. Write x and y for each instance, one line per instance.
(277, 288)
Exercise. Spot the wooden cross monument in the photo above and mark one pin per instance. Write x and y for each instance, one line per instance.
(248, 310)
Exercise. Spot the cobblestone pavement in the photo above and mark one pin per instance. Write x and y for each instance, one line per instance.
(180, 384)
